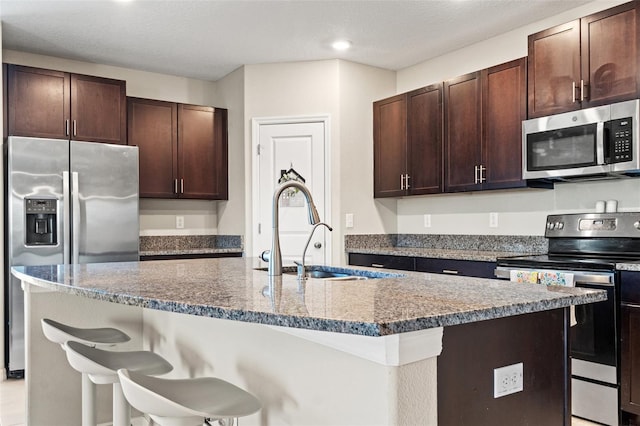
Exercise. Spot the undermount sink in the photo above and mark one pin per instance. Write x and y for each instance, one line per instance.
(332, 275)
(335, 273)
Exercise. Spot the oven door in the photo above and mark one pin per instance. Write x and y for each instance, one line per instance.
(594, 333)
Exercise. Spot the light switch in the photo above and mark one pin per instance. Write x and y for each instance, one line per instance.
(348, 221)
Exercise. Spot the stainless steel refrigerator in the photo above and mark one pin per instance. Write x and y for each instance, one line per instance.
(66, 202)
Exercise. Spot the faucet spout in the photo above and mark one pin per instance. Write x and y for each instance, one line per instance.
(301, 266)
(275, 256)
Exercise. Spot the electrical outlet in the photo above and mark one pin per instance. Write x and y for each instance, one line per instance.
(508, 380)
(348, 220)
(493, 220)
(427, 221)
(179, 222)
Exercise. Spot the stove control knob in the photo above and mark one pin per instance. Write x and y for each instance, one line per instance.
(550, 225)
(559, 225)
(637, 225)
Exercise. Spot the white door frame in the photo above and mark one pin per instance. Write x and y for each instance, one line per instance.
(255, 173)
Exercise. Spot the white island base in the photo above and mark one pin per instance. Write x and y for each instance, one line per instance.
(302, 377)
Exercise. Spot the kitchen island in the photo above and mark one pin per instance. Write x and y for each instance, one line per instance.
(316, 352)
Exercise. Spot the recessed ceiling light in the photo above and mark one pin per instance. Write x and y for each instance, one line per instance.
(341, 44)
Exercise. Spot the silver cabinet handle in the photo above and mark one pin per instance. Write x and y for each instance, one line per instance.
(449, 271)
(475, 174)
(66, 126)
(401, 182)
(573, 91)
(406, 181)
(377, 265)
(482, 169)
(175, 186)
(317, 245)
(182, 186)
(582, 90)
(75, 128)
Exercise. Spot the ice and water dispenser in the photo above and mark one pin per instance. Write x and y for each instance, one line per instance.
(41, 219)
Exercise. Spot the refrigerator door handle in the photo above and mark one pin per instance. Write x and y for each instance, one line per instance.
(66, 219)
(75, 201)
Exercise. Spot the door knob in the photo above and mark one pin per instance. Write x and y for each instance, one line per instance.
(317, 245)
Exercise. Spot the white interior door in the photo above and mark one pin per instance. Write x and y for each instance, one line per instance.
(284, 146)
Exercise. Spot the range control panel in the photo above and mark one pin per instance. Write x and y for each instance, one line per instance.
(625, 224)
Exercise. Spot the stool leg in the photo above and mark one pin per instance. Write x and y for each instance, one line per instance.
(121, 408)
(89, 417)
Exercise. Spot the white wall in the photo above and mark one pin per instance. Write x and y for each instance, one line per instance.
(359, 87)
(287, 90)
(230, 94)
(157, 217)
(345, 91)
(520, 212)
(2, 369)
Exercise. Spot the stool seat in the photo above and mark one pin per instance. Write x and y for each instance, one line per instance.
(186, 401)
(102, 366)
(61, 333)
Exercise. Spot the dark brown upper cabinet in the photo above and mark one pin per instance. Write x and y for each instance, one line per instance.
(591, 61)
(483, 141)
(408, 143)
(54, 104)
(182, 149)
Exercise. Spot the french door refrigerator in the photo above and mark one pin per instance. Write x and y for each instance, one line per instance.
(66, 202)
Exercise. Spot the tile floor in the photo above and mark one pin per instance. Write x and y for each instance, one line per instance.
(12, 405)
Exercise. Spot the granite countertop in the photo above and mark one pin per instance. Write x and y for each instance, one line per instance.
(230, 288)
(437, 253)
(179, 252)
(628, 266)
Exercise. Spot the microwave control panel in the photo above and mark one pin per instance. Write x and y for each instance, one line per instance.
(621, 140)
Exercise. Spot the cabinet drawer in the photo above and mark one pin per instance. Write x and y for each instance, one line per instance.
(468, 268)
(383, 261)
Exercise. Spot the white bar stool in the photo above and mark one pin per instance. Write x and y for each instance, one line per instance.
(61, 333)
(186, 402)
(101, 366)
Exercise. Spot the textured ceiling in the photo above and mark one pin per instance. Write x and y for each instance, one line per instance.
(207, 39)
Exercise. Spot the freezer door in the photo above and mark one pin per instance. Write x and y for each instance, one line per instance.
(35, 169)
(105, 224)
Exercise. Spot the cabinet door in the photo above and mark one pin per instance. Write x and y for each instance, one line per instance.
(202, 152)
(424, 140)
(504, 108)
(389, 146)
(98, 109)
(462, 110)
(630, 359)
(38, 102)
(610, 46)
(153, 128)
(554, 70)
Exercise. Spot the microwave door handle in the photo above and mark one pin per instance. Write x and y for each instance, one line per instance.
(600, 143)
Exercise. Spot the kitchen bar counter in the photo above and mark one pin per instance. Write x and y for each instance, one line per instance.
(233, 289)
(320, 352)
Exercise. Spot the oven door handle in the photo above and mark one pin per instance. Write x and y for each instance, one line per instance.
(582, 278)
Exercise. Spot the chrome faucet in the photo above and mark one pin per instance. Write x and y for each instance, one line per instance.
(275, 256)
(301, 269)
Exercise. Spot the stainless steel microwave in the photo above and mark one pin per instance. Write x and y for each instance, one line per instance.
(586, 143)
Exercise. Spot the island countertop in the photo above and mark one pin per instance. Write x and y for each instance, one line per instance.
(233, 289)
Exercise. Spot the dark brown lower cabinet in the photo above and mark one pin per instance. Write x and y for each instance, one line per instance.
(630, 347)
(466, 268)
(472, 351)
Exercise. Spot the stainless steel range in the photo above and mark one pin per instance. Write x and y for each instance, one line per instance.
(584, 250)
